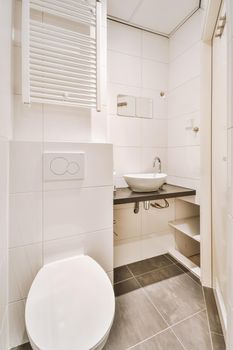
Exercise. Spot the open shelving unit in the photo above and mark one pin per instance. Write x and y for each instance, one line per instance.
(187, 235)
(188, 226)
(187, 262)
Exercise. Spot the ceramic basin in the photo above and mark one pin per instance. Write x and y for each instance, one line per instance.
(147, 182)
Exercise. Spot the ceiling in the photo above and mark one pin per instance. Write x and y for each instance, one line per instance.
(160, 16)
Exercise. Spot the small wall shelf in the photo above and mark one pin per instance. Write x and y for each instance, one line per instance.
(186, 261)
(188, 226)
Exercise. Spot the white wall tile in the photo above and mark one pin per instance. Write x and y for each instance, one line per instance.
(124, 39)
(125, 131)
(187, 35)
(25, 219)
(5, 110)
(99, 125)
(127, 251)
(154, 75)
(17, 22)
(148, 155)
(185, 98)
(4, 333)
(99, 245)
(184, 162)
(154, 133)
(185, 67)
(63, 248)
(66, 124)
(4, 164)
(127, 160)
(17, 63)
(159, 103)
(124, 69)
(25, 166)
(120, 182)
(186, 182)
(117, 89)
(155, 47)
(180, 130)
(24, 263)
(70, 212)
(3, 289)
(17, 328)
(98, 164)
(28, 121)
(156, 244)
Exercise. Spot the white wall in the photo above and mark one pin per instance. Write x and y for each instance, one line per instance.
(144, 64)
(5, 133)
(54, 220)
(137, 66)
(229, 7)
(183, 165)
(49, 221)
(50, 123)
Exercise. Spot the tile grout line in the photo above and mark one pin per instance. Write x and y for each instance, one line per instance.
(187, 273)
(217, 334)
(151, 337)
(188, 317)
(144, 273)
(178, 339)
(169, 326)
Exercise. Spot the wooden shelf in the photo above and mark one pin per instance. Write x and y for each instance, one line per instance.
(187, 262)
(190, 199)
(188, 226)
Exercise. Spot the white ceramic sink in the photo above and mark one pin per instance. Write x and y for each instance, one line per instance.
(147, 182)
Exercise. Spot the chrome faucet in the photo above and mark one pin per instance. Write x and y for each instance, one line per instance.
(157, 159)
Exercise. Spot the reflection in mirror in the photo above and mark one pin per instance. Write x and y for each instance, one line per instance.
(144, 107)
(130, 106)
(126, 106)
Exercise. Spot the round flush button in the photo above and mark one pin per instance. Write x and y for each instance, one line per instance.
(59, 165)
(73, 168)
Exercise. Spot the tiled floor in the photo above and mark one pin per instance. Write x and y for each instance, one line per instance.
(161, 306)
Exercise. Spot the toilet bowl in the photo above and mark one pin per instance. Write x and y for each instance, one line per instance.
(70, 306)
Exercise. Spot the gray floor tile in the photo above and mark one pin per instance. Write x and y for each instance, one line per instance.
(121, 273)
(26, 346)
(159, 275)
(135, 320)
(218, 342)
(149, 264)
(177, 297)
(163, 341)
(214, 320)
(194, 332)
(196, 279)
(170, 258)
(126, 287)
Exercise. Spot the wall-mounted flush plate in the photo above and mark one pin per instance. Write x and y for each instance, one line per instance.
(64, 166)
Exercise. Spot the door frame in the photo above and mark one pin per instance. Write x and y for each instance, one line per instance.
(211, 17)
(209, 23)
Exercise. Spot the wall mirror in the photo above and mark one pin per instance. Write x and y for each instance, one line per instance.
(130, 106)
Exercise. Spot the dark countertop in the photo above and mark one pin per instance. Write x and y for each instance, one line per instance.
(125, 195)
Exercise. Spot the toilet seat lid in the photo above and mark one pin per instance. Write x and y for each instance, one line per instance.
(70, 305)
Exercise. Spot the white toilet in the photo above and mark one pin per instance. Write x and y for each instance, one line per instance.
(70, 306)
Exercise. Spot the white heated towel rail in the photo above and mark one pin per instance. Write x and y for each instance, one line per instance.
(61, 57)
